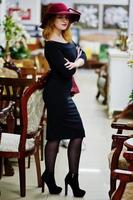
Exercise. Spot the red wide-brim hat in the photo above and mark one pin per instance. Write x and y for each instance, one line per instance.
(60, 9)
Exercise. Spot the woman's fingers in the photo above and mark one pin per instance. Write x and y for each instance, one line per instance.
(67, 61)
(69, 65)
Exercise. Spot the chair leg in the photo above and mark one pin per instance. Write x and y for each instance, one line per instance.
(38, 167)
(112, 186)
(22, 176)
(1, 166)
(42, 144)
(119, 192)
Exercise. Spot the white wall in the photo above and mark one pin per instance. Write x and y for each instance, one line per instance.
(2, 10)
(35, 6)
(68, 3)
(2, 13)
(130, 26)
(124, 2)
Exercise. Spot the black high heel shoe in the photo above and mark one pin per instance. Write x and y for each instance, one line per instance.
(49, 179)
(72, 180)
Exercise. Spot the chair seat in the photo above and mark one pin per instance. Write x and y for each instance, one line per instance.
(128, 193)
(10, 143)
(122, 164)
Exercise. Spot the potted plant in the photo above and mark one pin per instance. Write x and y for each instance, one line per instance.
(131, 97)
(15, 39)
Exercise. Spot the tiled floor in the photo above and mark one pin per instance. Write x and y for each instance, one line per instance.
(94, 172)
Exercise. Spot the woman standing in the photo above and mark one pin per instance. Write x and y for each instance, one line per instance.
(63, 119)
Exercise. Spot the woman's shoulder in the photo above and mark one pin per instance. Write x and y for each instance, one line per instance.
(55, 42)
(52, 44)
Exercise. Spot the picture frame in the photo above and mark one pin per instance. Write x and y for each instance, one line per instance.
(23, 14)
(90, 15)
(115, 16)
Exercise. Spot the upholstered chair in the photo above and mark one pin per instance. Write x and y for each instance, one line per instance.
(27, 143)
(116, 159)
(5, 117)
(124, 189)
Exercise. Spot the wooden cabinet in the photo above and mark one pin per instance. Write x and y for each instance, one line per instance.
(120, 81)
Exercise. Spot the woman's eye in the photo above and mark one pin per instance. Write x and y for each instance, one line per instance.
(59, 17)
(62, 17)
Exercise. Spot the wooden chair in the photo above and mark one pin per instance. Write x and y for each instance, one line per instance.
(124, 190)
(127, 111)
(5, 116)
(124, 131)
(11, 89)
(102, 83)
(26, 144)
(9, 70)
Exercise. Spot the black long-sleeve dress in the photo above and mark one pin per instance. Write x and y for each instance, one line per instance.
(63, 119)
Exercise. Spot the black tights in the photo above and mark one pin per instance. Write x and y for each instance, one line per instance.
(74, 151)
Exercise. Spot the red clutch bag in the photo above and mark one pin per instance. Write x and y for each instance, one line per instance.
(74, 89)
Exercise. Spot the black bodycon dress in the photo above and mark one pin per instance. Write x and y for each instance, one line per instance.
(63, 119)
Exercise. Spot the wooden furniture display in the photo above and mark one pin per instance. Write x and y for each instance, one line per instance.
(127, 111)
(93, 63)
(120, 81)
(124, 191)
(116, 160)
(124, 130)
(26, 144)
(10, 72)
(28, 72)
(28, 63)
(19, 68)
(34, 67)
(27, 68)
(40, 62)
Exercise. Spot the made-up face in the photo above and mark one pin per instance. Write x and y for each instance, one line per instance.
(61, 22)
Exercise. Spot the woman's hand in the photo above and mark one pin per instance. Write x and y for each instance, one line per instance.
(78, 61)
(70, 65)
